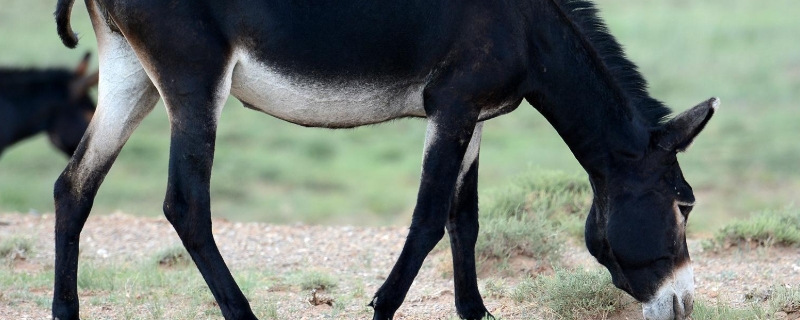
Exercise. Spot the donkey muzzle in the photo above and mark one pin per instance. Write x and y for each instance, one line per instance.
(675, 299)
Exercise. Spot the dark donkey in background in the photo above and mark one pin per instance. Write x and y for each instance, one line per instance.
(53, 100)
(338, 64)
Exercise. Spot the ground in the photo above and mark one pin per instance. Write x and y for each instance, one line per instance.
(271, 263)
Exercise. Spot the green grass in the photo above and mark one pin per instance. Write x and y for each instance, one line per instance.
(267, 170)
(573, 294)
(15, 247)
(313, 280)
(722, 311)
(147, 291)
(532, 216)
(173, 257)
(767, 228)
(780, 300)
(785, 299)
(561, 198)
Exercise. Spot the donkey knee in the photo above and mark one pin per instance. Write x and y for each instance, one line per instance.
(191, 227)
(426, 238)
(69, 198)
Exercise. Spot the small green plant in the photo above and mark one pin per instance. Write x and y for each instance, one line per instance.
(313, 280)
(779, 300)
(270, 310)
(529, 217)
(560, 197)
(176, 256)
(495, 288)
(576, 294)
(785, 299)
(768, 228)
(15, 248)
(721, 311)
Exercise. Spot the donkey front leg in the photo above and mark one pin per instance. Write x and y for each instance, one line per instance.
(125, 96)
(462, 225)
(450, 128)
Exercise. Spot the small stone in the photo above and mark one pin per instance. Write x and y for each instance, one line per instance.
(781, 315)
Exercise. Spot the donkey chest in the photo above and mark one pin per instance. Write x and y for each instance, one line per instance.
(329, 103)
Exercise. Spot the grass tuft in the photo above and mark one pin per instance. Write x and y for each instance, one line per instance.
(576, 294)
(782, 303)
(528, 217)
(15, 248)
(721, 311)
(176, 256)
(768, 228)
(495, 288)
(313, 280)
(786, 300)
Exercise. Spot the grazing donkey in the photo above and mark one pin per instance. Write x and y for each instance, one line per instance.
(55, 100)
(340, 64)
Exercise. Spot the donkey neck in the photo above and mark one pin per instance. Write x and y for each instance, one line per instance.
(575, 89)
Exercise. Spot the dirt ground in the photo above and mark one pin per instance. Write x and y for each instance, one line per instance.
(360, 257)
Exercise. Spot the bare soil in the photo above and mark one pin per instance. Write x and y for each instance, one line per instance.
(359, 258)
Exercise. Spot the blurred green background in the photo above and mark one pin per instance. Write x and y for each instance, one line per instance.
(745, 51)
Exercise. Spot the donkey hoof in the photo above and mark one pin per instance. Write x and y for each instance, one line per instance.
(379, 315)
(483, 315)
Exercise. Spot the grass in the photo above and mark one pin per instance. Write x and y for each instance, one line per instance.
(15, 248)
(145, 290)
(313, 280)
(589, 294)
(721, 311)
(767, 228)
(531, 216)
(575, 294)
(562, 198)
(785, 299)
(781, 300)
(268, 170)
(173, 257)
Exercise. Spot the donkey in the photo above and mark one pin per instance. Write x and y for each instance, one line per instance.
(56, 101)
(341, 64)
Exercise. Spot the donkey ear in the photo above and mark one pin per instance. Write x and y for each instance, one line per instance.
(678, 133)
(80, 70)
(78, 87)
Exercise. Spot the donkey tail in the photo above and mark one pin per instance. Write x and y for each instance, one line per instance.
(63, 11)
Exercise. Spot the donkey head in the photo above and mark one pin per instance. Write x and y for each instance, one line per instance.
(72, 115)
(636, 227)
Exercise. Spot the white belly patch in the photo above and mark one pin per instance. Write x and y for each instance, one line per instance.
(323, 104)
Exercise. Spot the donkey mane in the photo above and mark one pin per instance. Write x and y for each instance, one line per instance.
(583, 14)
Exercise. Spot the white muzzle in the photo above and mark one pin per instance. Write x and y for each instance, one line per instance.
(675, 299)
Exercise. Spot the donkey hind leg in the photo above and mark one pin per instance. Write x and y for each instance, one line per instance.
(449, 131)
(462, 226)
(125, 96)
(187, 203)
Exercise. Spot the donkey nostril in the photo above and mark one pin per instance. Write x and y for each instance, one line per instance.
(688, 304)
(677, 309)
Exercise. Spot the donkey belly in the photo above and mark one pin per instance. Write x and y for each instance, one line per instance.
(316, 103)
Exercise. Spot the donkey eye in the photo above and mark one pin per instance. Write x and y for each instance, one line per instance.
(685, 210)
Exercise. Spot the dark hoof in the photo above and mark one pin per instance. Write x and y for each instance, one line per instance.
(475, 313)
(380, 314)
(65, 313)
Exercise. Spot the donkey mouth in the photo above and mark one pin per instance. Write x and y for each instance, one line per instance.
(675, 299)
